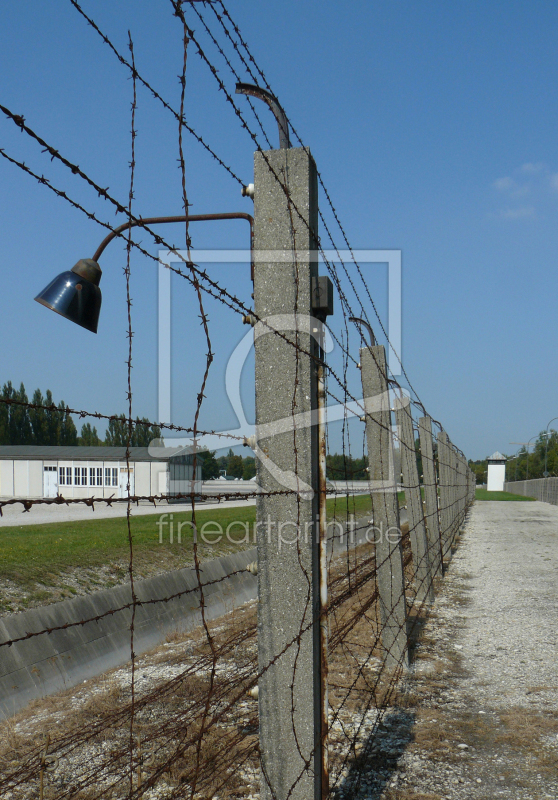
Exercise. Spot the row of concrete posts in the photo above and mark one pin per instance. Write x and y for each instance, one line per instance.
(289, 442)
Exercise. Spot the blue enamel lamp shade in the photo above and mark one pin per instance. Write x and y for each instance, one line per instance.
(75, 294)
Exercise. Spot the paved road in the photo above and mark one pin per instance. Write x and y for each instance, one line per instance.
(38, 514)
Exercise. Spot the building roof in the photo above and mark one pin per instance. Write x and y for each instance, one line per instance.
(76, 453)
(497, 457)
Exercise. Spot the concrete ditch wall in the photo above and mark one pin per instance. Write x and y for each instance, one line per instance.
(46, 664)
(543, 489)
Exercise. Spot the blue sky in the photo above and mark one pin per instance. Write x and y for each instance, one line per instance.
(434, 127)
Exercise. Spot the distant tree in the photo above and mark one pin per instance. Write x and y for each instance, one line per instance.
(52, 421)
(141, 435)
(4, 420)
(144, 434)
(249, 469)
(37, 418)
(68, 431)
(210, 468)
(5, 413)
(341, 467)
(19, 427)
(235, 466)
(117, 432)
(89, 436)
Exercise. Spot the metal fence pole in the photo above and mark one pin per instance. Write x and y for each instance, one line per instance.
(292, 737)
(385, 506)
(417, 529)
(430, 484)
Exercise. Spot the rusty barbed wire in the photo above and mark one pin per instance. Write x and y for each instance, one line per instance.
(155, 93)
(192, 731)
(129, 427)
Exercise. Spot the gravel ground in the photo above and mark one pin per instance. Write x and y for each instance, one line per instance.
(476, 715)
(479, 710)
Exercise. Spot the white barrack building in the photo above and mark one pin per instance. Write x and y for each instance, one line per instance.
(34, 472)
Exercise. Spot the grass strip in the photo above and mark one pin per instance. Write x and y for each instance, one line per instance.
(41, 553)
(482, 494)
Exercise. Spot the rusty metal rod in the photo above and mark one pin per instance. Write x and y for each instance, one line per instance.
(182, 218)
(323, 594)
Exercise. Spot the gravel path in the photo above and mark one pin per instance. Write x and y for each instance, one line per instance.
(479, 713)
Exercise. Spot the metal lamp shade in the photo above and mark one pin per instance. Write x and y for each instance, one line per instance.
(75, 297)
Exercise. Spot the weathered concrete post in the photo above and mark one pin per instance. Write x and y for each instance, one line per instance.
(291, 731)
(454, 487)
(456, 460)
(430, 484)
(385, 506)
(415, 512)
(444, 468)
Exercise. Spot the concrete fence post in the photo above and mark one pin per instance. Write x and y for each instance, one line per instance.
(445, 473)
(454, 460)
(385, 506)
(292, 736)
(430, 485)
(461, 499)
(417, 528)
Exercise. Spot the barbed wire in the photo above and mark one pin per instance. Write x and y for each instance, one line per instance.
(182, 122)
(320, 177)
(193, 731)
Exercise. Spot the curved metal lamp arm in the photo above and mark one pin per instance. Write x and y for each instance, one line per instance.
(358, 321)
(162, 220)
(262, 94)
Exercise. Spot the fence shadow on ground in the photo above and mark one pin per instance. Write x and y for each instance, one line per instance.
(372, 770)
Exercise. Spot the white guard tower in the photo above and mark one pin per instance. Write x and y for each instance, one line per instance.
(496, 472)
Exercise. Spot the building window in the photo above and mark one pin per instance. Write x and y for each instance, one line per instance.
(111, 476)
(80, 476)
(95, 476)
(65, 476)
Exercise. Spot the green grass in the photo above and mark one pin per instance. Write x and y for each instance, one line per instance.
(42, 553)
(482, 494)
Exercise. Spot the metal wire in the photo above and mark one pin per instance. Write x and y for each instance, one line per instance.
(194, 732)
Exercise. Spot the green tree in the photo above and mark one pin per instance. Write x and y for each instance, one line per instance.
(249, 468)
(67, 428)
(235, 467)
(479, 469)
(19, 427)
(37, 418)
(4, 418)
(144, 434)
(52, 421)
(89, 436)
(210, 468)
(117, 432)
(343, 467)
